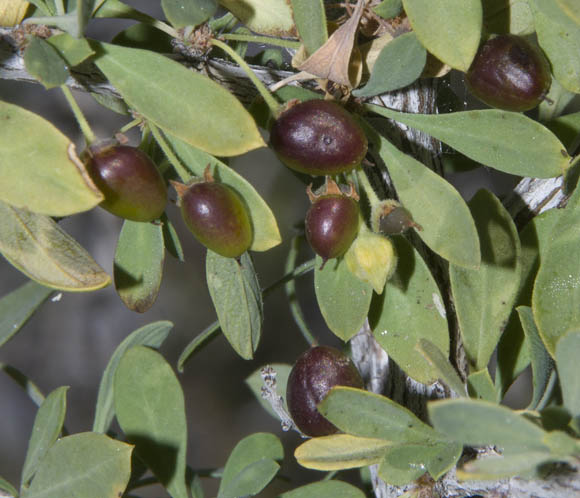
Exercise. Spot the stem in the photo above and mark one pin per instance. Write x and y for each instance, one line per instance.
(367, 187)
(173, 159)
(208, 333)
(79, 116)
(156, 23)
(59, 4)
(304, 268)
(262, 39)
(130, 125)
(274, 106)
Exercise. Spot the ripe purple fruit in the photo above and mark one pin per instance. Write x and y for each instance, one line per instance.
(318, 137)
(315, 372)
(332, 222)
(509, 73)
(216, 215)
(129, 180)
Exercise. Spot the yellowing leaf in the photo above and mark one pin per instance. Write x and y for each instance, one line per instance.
(269, 17)
(12, 12)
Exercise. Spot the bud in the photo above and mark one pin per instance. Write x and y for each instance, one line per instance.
(389, 217)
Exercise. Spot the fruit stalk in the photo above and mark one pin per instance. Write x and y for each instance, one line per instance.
(79, 116)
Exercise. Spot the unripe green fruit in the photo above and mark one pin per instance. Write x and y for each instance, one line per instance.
(129, 180)
(217, 217)
(318, 137)
(313, 375)
(509, 73)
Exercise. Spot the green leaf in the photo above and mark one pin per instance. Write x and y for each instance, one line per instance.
(144, 36)
(152, 335)
(480, 386)
(481, 423)
(29, 387)
(562, 445)
(388, 9)
(567, 354)
(343, 299)
(494, 468)
(138, 267)
(182, 13)
(47, 427)
(507, 141)
(561, 42)
(340, 451)
(557, 288)
(310, 19)
(255, 382)
(88, 465)
(448, 228)
(18, 306)
(266, 232)
(39, 248)
(196, 343)
(8, 488)
(542, 364)
(61, 184)
(112, 103)
(44, 63)
(399, 64)
(484, 297)
(72, 50)
(325, 489)
(449, 29)
(251, 465)
(237, 298)
(566, 128)
(511, 16)
(365, 414)
(180, 101)
(410, 309)
(171, 239)
(151, 411)
(441, 364)
(268, 17)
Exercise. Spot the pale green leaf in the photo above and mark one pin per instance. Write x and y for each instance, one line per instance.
(310, 19)
(196, 343)
(507, 141)
(43, 62)
(480, 386)
(399, 64)
(88, 465)
(171, 239)
(268, 17)
(557, 288)
(484, 297)
(72, 50)
(366, 414)
(43, 251)
(151, 335)
(138, 267)
(561, 444)
(255, 382)
(448, 228)
(340, 451)
(325, 489)
(61, 183)
(343, 299)
(182, 13)
(8, 488)
(566, 128)
(237, 298)
(511, 16)
(449, 29)
(500, 467)
(46, 429)
(29, 387)
(410, 309)
(567, 354)
(255, 452)
(150, 409)
(440, 363)
(264, 225)
(388, 9)
(481, 423)
(182, 102)
(18, 306)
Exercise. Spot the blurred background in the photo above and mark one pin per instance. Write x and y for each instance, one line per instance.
(71, 338)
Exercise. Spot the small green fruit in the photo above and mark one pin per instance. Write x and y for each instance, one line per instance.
(216, 215)
(318, 137)
(129, 180)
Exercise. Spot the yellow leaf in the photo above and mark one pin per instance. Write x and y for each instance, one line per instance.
(12, 12)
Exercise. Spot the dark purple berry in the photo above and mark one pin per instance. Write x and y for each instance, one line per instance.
(129, 180)
(318, 137)
(509, 73)
(315, 372)
(217, 216)
(332, 222)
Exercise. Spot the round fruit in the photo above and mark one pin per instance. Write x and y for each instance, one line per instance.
(318, 137)
(332, 222)
(217, 216)
(129, 180)
(509, 73)
(315, 372)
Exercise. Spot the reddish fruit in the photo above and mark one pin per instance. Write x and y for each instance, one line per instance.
(318, 137)
(129, 180)
(217, 216)
(332, 222)
(313, 375)
(509, 73)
